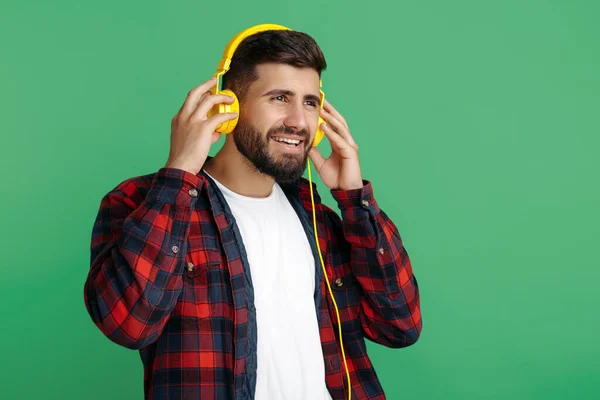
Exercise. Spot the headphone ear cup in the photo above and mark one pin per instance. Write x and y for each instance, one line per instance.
(319, 135)
(227, 126)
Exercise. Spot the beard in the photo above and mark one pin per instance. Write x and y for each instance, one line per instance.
(284, 168)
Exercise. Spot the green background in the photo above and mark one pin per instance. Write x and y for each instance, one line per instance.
(477, 123)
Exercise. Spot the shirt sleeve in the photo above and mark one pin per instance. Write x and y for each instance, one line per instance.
(138, 249)
(390, 303)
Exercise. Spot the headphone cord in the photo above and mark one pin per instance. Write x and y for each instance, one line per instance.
(327, 280)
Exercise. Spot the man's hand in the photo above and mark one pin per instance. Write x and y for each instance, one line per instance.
(341, 171)
(192, 133)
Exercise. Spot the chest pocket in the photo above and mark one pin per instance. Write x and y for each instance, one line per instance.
(347, 293)
(199, 262)
(207, 287)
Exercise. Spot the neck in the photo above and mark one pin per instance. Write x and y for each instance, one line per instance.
(236, 172)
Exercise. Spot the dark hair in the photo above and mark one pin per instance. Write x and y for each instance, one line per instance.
(279, 46)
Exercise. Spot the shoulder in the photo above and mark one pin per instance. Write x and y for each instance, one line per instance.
(132, 190)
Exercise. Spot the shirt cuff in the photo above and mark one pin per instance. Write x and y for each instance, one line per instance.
(175, 186)
(356, 204)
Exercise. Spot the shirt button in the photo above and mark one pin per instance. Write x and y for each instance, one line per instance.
(190, 266)
(175, 249)
(339, 282)
(381, 250)
(365, 203)
(193, 192)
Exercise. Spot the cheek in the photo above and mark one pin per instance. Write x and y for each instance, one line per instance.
(264, 121)
(269, 117)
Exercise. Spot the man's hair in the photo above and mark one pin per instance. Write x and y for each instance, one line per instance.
(278, 46)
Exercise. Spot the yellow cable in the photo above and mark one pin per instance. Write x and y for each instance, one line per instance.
(312, 200)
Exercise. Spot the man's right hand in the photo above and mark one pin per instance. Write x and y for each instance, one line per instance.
(192, 133)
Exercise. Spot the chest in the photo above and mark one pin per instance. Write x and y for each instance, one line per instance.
(238, 254)
(278, 251)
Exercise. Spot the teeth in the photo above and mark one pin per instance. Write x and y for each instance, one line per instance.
(285, 140)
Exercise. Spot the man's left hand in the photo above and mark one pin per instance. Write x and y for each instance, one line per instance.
(341, 170)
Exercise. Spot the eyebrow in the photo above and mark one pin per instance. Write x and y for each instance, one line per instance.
(312, 97)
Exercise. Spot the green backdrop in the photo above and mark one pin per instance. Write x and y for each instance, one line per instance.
(478, 125)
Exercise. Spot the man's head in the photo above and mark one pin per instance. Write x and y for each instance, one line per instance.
(275, 75)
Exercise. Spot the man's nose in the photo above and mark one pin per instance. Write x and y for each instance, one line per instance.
(296, 117)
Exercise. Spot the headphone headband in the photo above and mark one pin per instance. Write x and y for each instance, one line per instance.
(233, 44)
(237, 39)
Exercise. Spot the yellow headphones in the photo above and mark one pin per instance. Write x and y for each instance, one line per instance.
(228, 126)
(223, 67)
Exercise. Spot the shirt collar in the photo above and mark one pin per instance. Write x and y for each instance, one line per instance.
(299, 189)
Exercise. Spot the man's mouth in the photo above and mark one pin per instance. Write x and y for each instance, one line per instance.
(288, 142)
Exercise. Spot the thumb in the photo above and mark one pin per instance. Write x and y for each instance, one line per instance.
(316, 157)
(215, 137)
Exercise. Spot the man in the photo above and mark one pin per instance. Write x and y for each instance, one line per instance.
(210, 268)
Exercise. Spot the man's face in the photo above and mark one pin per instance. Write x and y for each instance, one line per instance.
(281, 106)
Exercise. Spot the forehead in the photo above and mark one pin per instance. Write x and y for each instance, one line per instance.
(283, 76)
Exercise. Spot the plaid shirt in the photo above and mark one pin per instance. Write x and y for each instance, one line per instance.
(169, 276)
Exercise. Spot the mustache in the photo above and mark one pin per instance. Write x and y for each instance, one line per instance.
(289, 131)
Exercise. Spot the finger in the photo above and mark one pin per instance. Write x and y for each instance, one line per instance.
(217, 119)
(202, 97)
(330, 109)
(200, 100)
(338, 127)
(334, 138)
(208, 102)
(194, 95)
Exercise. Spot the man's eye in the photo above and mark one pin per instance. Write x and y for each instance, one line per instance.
(312, 103)
(280, 97)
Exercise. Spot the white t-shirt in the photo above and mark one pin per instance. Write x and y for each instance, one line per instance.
(290, 358)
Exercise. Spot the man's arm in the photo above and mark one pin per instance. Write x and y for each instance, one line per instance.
(390, 306)
(138, 249)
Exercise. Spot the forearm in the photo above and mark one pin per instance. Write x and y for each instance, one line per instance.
(390, 307)
(391, 304)
(137, 257)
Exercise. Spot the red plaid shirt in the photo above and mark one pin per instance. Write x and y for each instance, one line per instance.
(169, 276)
